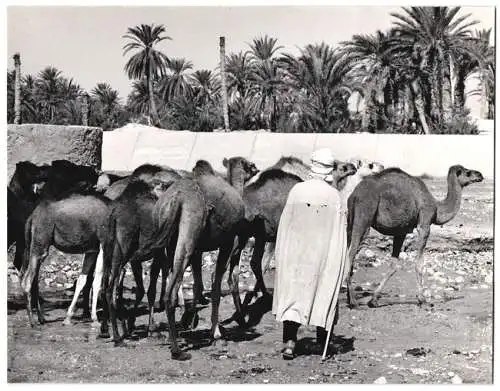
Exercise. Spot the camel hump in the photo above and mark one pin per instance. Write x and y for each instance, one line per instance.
(274, 174)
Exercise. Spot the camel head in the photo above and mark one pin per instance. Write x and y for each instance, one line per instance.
(103, 182)
(342, 170)
(239, 167)
(366, 167)
(202, 167)
(465, 176)
(29, 178)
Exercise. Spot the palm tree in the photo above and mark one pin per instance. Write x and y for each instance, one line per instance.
(222, 67)
(239, 72)
(147, 62)
(432, 37)
(176, 81)
(266, 75)
(105, 106)
(138, 101)
(319, 77)
(206, 86)
(48, 93)
(372, 68)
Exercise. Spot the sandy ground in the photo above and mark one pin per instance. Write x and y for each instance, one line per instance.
(399, 342)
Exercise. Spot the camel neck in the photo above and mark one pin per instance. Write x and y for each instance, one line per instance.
(449, 207)
(236, 181)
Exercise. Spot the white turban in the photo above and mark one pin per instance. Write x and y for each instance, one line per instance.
(322, 161)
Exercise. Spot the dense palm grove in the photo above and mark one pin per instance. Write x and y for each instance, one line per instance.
(409, 79)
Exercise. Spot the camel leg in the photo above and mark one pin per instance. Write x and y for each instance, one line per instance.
(233, 281)
(220, 268)
(395, 266)
(153, 278)
(96, 286)
(423, 233)
(268, 256)
(190, 317)
(88, 261)
(112, 299)
(256, 265)
(139, 292)
(349, 267)
(196, 263)
(182, 256)
(80, 284)
(119, 301)
(87, 269)
(29, 285)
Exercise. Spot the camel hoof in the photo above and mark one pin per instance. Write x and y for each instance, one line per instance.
(86, 315)
(121, 343)
(203, 300)
(353, 305)
(95, 324)
(373, 303)
(67, 322)
(104, 335)
(189, 320)
(181, 356)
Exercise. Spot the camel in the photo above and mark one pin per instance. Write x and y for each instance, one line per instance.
(192, 216)
(264, 202)
(30, 183)
(75, 224)
(363, 169)
(130, 225)
(394, 203)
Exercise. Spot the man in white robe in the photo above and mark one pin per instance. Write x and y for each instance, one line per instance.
(310, 255)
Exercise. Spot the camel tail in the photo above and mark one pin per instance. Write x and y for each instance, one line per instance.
(110, 247)
(27, 244)
(165, 222)
(350, 218)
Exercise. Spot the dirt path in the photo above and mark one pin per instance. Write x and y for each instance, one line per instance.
(450, 342)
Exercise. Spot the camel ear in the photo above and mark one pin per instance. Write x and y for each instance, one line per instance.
(225, 162)
(459, 172)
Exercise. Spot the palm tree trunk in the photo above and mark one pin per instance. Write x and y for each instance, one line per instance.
(459, 91)
(273, 120)
(453, 80)
(153, 114)
(419, 105)
(484, 98)
(17, 89)
(225, 110)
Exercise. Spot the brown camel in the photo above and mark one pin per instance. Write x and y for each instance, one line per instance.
(195, 215)
(264, 202)
(394, 203)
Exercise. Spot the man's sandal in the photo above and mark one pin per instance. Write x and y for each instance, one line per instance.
(288, 351)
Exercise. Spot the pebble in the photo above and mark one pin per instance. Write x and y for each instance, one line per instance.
(419, 371)
(265, 381)
(380, 380)
(398, 355)
(489, 278)
(459, 280)
(451, 374)
(403, 256)
(369, 253)
(456, 380)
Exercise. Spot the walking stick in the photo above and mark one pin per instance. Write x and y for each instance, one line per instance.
(323, 357)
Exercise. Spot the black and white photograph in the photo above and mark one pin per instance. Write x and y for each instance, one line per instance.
(249, 193)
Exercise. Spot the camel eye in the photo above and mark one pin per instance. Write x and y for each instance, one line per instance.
(459, 172)
(370, 166)
(468, 173)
